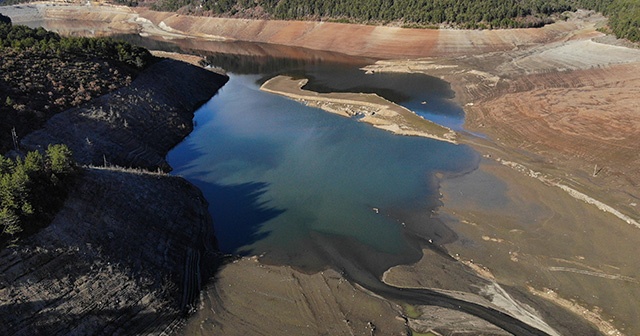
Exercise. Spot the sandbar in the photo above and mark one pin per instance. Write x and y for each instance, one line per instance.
(366, 107)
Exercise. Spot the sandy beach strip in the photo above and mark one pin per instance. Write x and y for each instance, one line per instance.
(366, 107)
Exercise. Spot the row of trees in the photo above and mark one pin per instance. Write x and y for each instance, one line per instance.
(623, 14)
(32, 189)
(43, 73)
(23, 37)
(624, 19)
(494, 13)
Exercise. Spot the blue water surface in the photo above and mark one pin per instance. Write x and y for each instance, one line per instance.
(275, 172)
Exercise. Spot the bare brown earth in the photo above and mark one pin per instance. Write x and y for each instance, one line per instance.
(537, 237)
(584, 125)
(298, 304)
(369, 108)
(129, 250)
(558, 107)
(362, 40)
(564, 113)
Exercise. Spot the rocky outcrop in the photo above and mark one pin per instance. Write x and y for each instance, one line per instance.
(129, 250)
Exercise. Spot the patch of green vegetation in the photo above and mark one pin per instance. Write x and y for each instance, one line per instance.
(419, 26)
(624, 19)
(411, 311)
(459, 13)
(20, 37)
(32, 189)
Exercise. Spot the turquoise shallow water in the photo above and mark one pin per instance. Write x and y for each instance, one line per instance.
(278, 173)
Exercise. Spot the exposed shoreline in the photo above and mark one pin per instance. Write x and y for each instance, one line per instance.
(369, 108)
(128, 251)
(531, 63)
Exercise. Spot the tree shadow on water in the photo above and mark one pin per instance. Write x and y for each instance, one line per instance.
(238, 214)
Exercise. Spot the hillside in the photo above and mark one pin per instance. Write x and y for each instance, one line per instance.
(43, 74)
(124, 253)
(103, 250)
(134, 126)
(469, 14)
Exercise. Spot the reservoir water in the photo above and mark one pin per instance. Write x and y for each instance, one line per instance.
(298, 186)
(301, 187)
(293, 182)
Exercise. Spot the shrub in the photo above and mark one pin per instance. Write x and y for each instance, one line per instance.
(33, 189)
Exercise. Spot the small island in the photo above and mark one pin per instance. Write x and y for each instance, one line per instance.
(366, 107)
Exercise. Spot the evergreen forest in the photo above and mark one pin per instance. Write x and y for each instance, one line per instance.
(624, 15)
(32, 189)
(42, 73)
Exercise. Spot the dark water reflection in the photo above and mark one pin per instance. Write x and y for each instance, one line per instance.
(279, 175)
(327, 72)
(296, 183)
(241, 205)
